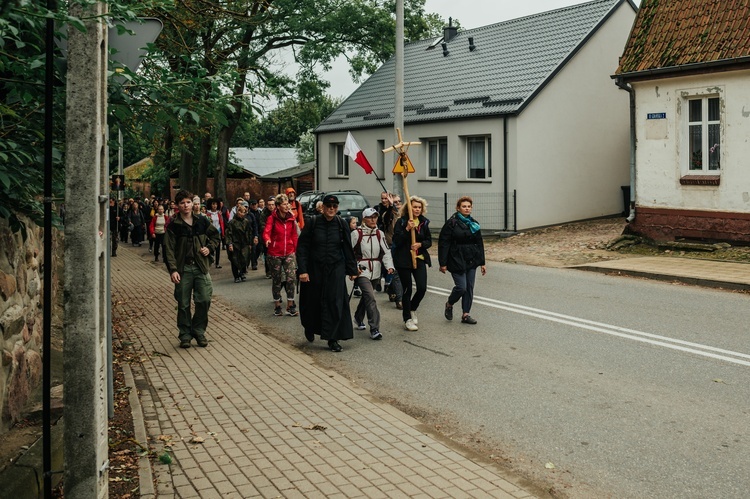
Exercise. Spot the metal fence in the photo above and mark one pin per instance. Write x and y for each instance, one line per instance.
(489, 209)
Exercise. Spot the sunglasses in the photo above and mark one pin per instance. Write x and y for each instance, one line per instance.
(331, 205)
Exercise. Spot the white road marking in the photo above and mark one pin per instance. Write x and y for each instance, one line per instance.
(600, 327)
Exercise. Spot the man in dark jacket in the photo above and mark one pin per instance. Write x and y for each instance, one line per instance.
(264, 214)
(324, 258)
(253, 217)
(188, 244)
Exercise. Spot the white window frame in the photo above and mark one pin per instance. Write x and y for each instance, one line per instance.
(339, 161)
(709, 162)
(442, 157)
(487, 167)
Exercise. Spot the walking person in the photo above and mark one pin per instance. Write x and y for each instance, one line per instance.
(240, 236)
(253, 215)
(156, 230)
(402, 258)
(325, 257)
(189, 242)
(138, 223)
(373, 257)
(217, 219)
(280, 238)
(115, 214)
(270, 207)
(460, 252)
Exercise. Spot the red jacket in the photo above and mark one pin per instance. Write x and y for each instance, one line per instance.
(282, 233)
(152, 225)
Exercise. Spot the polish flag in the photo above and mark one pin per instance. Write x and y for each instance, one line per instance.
(352, 150)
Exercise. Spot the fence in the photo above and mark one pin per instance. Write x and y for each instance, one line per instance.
(489, 209)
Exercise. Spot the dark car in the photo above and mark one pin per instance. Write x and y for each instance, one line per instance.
(351, 203)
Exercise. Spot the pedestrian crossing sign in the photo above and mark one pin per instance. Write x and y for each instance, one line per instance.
(405, 167)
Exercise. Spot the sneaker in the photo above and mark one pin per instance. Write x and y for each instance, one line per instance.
(218, 266)
(268, 277)
(467, 319)
(334, 346)
(149, 250)
(360, 325)
(410, 326)
(237, 279)
(375, 335)
(357, 292)
(243, 278)
(202, 341)
(292, 310)
(185, 344)
(448, 311)
(277, 312)
(414, 318)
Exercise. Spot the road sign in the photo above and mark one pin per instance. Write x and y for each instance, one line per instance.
(399, 168)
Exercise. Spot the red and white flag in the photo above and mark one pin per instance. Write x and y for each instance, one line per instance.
(351, 149)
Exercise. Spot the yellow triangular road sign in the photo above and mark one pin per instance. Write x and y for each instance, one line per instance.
(399, 168)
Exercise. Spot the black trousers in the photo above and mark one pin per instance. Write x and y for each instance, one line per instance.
(411, 302)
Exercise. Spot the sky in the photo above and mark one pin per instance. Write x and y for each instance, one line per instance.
(471, 14)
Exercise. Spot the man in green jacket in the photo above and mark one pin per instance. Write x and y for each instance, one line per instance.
(188, 243)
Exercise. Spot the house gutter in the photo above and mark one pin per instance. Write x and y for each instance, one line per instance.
(684, 68)
(629, 89)
(505, 168)
(316, 176)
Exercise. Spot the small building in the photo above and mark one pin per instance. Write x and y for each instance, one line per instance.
(687, 66)
(521, 115)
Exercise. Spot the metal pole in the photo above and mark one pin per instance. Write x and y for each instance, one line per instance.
(398, 116)
(47, 312)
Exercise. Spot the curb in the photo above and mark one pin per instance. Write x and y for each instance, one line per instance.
(695, 281)
(145, 477)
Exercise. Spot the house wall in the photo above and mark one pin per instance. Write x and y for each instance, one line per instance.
(486, 193)
(573, 148)
(665, 208)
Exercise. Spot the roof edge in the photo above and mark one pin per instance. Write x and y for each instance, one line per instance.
(647, 74)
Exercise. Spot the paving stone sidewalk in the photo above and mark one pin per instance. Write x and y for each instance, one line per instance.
(249, 416)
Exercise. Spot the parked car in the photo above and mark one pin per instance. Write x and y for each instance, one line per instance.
(351, 203)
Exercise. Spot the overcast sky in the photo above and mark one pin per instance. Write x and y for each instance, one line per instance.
(471, 14)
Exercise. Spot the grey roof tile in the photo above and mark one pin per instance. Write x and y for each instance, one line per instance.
(511, 61)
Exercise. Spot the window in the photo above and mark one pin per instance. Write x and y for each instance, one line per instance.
(704, 135)
(478, 153)
(437, 158)
(339, 161)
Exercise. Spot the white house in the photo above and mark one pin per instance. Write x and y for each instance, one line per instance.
(521, 115)
(687, 64)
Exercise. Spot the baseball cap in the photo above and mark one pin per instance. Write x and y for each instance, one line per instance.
(369, 212)
(330, 199)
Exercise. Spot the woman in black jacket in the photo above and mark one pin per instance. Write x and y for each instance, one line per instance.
(402, 259)
(460, 252)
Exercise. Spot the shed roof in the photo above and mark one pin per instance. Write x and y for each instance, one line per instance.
(673, 33)
(511, 62)
(264, 160)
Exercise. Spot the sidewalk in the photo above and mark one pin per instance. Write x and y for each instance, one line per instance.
(249, 416)
(709, 273)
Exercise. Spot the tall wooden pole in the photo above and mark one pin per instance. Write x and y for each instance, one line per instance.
(398, 115)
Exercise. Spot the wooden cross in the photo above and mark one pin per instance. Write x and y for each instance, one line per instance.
(403, 165)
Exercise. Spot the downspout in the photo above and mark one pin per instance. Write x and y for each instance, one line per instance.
(505, 168)
(316, 176)
(629, 89)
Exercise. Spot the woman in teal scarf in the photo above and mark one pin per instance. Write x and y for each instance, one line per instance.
(460, 252)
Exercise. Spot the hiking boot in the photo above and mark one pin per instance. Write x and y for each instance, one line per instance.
(467, 319)
(277, 311)
(292, 310)
(375, 335)
(410, 326)
(202, 341)
(184, 343)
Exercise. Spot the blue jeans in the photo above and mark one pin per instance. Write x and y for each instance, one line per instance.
(463, 289)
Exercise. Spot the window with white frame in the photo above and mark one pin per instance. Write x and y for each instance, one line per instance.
(704, 135)
(437, 158)
(478, 154)
(339, 161)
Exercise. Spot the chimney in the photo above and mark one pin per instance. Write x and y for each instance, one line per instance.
(450, 31)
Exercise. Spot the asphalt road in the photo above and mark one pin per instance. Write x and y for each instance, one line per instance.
(596, 386)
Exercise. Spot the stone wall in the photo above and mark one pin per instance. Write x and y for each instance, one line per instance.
(21, 321)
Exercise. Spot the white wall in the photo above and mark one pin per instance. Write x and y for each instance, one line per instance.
(660, 159)
(573, 139)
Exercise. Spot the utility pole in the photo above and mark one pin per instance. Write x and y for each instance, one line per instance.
(398, 115)
(86, 186)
